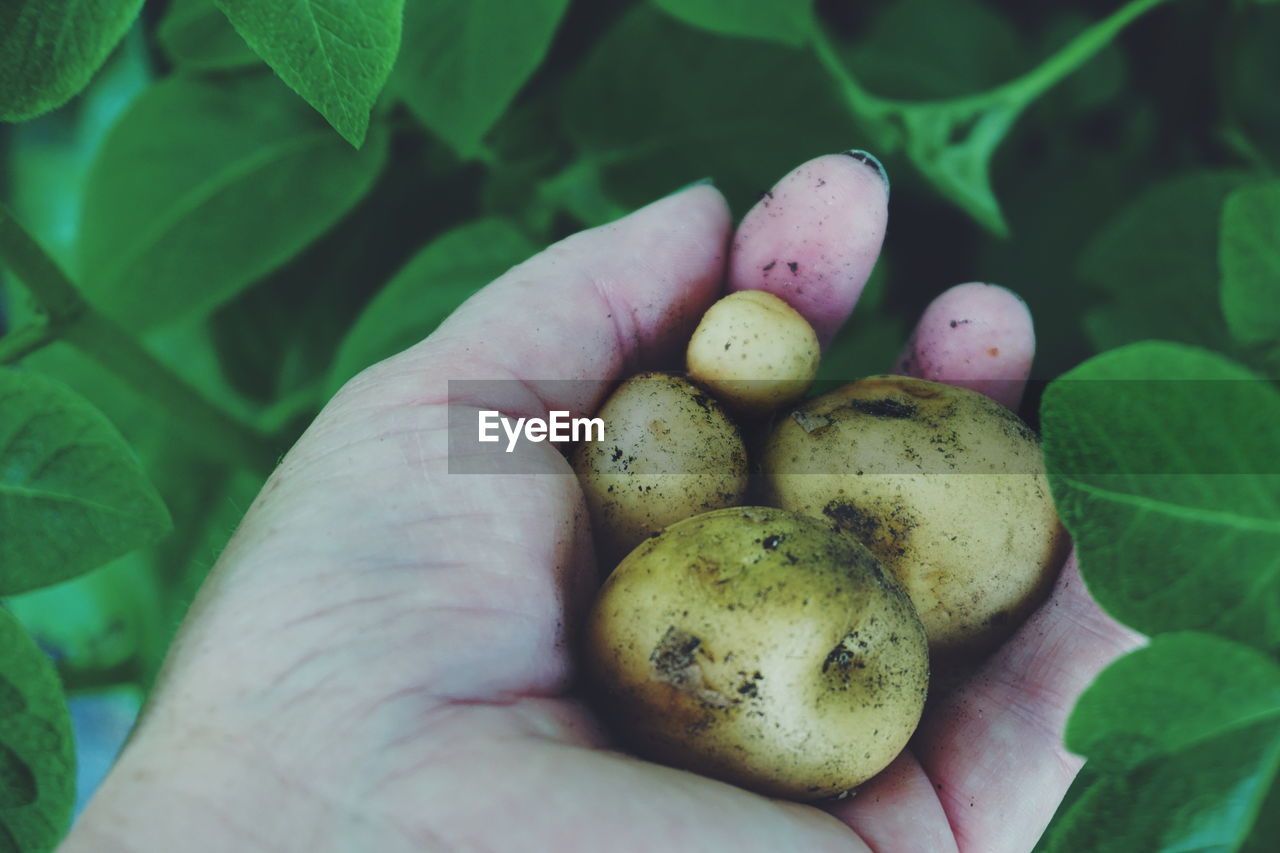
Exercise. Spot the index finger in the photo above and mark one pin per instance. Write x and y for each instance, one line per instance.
(813, 239)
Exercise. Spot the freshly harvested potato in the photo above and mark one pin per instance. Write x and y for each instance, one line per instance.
(759, 647)
(754, 352)
(944, 485)
(669, 452)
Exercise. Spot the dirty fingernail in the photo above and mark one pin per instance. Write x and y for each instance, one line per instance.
(870, 159)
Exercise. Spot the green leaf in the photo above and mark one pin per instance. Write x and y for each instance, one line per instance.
(37, 751)
(1265, 836)
(466, 59)
(427, 290)
(336, 54)
(579, 191)
(1250, 258)
(1185, 738)
(203, 187)
(534, 177)
(1180, 690)
(188, 348)
(46, 160)
(72, 495)
(50, 50)
(1085, 781)
(785, 21)
(925, 49)
(277, 339)
(1156, 265)
(194, 34)
(1162, 460)
(657, 105)
(140, 583)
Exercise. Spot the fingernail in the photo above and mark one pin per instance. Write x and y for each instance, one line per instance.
(701, 182)
(870, 159)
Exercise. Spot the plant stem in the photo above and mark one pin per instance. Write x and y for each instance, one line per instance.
(25, 258)
(71, 318)
(26, 340)
(1069, 57)
(862, 103)
(1242, 146)
(881, 112)
(206, 425)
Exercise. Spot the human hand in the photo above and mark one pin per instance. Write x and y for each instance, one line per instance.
(382, 659)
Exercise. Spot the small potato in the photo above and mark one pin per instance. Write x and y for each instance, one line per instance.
(669, 452)
(944, 485)
(754, 352)
(759, 647)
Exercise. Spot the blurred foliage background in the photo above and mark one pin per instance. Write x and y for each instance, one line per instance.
(210, 213)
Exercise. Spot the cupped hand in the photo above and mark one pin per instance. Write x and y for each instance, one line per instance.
(383, 659)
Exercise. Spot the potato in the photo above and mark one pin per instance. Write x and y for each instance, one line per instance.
(944, 485)
(759, 647)
(669, 452)
(754, 352)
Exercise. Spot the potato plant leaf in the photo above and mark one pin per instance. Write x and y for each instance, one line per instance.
(579, 191)
(197, 165)
(934, 49)
(72, 494)
(464, 60)
(1265, 836)
(1183, 739)
(194, 34)
(1162, 460)
(336, 54)
(1155, 265)
(276, 340)
(434, 282)
(786, 21)
(50, 50)
(1249, 254)
(37, 750)
(630, 109)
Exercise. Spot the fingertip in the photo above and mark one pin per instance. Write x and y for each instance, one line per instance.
(689, 231)
(702, 196)
(978, 336)
(658, 268)
(873, 162)
(599, 304)
(813, 239)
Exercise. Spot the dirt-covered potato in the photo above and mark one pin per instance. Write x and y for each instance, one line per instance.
(944, 485)
(759, 647)
(754, 352)
(669, 452)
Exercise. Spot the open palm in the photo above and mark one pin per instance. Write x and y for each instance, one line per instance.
(383, 658)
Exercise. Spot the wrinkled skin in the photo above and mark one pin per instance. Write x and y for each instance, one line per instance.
(382, 660)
